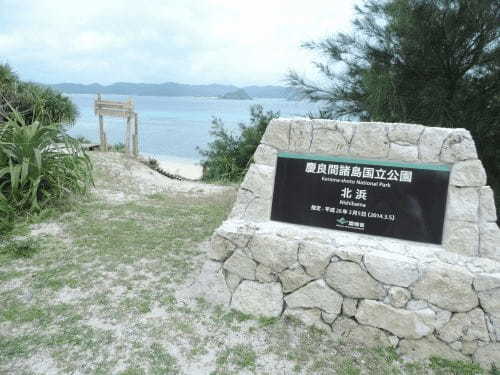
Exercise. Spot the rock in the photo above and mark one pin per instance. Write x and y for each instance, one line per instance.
(486, 281)
(405, 133)
(328, 318)
(447, 287)
(398, 297)
(465, 327)
(370, 337)
(489, 241)
(352, 281)
(370, 140)
(243, 199)
(494, 328)
(264, 274)
(275, 252)
(490, 302)
(442, 318)
(418, 350)
(402, 323)
(488, 356)
(258, 299)
(265, 155)
(292, 279)
(458, 146)
(349, 307)
(315, 295)
(431, 142)
(220, 248)
(468, 173)
(461, 237)
(277, 134)
(415, 305)
(347, 129)
(433, 318)
(300, 136)
(487, 209)
(328, 141)
(232, 281)
(237, 232)
(259, 180)
(403, 153)
(342, 328)
(310, 317)
(314, 257)
(463, 204)
(241, 265)
(351, 253)
(391, 269)
(468, 348)
(212, 285)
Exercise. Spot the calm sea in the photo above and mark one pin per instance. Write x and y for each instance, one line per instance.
(172, 127)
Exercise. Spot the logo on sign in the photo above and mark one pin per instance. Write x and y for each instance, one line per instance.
(342, 221)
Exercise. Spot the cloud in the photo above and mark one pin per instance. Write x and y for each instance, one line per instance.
(192, 41)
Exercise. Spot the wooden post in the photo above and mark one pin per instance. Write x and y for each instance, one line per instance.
(128, 134)
(136, 135)
(101, 133)
(101, 128)
(128, 142)
(105, 142)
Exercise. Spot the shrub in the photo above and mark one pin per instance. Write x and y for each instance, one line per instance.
(32, 101)
(118, 147)
(6, 217)
(228, 156)
(39, 165)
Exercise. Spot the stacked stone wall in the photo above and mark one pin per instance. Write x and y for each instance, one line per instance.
(423, 299)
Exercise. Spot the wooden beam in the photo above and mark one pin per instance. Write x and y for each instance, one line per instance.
(113, 112)
(114, 105)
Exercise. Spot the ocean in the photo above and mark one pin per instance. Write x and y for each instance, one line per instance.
(171, 128)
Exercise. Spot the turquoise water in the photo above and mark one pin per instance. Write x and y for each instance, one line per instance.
(172, 127)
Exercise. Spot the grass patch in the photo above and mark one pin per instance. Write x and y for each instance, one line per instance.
(445, 366)
(239, 356)
(19, 248)
(161, 361)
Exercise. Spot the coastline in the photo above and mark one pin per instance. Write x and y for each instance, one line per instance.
(189, 169)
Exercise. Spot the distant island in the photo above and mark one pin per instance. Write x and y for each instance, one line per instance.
(174, 89)
(238, 95)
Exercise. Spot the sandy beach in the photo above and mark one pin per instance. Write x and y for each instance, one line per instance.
(184, 168)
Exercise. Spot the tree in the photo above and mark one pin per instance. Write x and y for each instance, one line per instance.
(228, 156)
(433, 62)
(33, 101)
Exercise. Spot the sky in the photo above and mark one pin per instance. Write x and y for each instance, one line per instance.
(241, 42)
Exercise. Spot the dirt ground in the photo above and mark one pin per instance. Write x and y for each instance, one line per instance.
(108, 285)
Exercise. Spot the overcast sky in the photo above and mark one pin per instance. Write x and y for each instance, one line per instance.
(241, 42)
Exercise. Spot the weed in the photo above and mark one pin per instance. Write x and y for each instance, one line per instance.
(242, 356)
(161, 361)
(265, 321)
(455, 367)
(20, 248)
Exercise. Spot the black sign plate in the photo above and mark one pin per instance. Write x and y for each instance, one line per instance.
(398, 200)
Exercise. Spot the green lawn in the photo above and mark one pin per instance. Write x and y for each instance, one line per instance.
(98, 289)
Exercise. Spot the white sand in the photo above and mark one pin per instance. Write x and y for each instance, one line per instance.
(186, 168)
(190, 171)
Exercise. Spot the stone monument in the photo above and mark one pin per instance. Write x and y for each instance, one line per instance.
(411, 261)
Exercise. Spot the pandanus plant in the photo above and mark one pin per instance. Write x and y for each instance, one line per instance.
(39, 164)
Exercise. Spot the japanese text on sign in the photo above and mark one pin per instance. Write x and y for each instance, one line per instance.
(361, 172)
